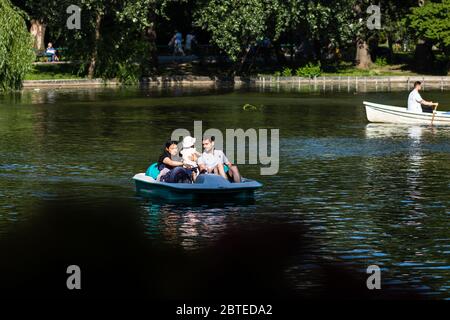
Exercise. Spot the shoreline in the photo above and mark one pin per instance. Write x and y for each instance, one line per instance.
(390, 82)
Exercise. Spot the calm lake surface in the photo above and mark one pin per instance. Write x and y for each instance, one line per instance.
(365, 193)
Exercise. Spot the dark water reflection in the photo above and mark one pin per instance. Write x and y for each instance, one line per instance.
(364, 193)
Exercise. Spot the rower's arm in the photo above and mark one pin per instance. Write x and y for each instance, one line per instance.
(427, 103)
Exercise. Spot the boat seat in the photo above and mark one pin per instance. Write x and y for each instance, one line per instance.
(212, 181)
(152, 171)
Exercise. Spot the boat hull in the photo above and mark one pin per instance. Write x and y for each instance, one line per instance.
(378, 113)
(208, 187)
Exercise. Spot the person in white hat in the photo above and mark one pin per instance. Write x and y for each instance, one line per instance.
(190, 154)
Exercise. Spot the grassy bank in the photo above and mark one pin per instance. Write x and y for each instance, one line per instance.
(348, 69)
(51, 71)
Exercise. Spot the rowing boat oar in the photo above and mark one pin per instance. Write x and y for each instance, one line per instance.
(434, 113)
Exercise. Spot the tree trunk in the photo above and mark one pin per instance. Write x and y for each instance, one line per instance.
(151, 61)
(37, 30)
(254, 57)
(94, 54)
(317, 50)
(243, 60)
(391, 48)
(424, 56)
(373, 48)
(281, 59)
(363, 59)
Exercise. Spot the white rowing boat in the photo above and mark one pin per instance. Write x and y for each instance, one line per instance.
(390, 114)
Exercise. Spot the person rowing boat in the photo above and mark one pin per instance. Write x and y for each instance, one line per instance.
(416, 103)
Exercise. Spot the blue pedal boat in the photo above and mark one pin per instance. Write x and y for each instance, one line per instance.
(205, 187)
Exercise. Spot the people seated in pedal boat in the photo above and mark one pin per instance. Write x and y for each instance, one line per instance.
(170, 165)
(190, 155)
(416, 103)
(213, 161)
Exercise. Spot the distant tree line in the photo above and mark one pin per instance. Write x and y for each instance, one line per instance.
(119, 38)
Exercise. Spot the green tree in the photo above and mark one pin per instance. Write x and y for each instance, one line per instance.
(16, 54)
(98, 45)
(41, 13)
(365, 39)
(326, 25)
(235, 26)
(432, 23)
(117, 38)
(393, 22)
(141, 16)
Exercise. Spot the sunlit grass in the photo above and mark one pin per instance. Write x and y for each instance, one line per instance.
(53, 72)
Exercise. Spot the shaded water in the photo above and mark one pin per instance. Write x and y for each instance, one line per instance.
(366, 193)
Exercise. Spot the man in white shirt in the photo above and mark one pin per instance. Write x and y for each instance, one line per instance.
(213, 161)
(415, 100)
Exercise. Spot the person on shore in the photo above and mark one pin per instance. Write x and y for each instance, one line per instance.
(170, 165)
(176, 42)
(213, 161)
(190, 41)
(416, 103)
(51, 53)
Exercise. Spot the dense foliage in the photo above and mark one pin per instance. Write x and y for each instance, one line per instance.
(432, 22)
(120, 38)
(309, 71)
(16, 54)
(235, 25)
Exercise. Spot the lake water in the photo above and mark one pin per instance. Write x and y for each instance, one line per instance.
(362, 193)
